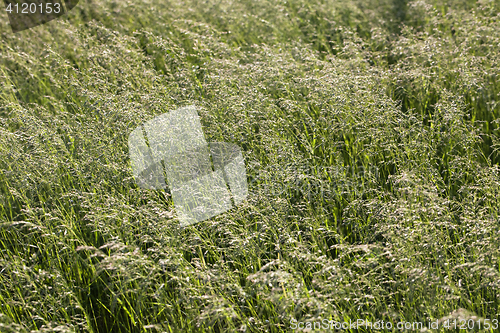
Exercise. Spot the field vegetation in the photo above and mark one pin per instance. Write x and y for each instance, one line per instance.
(371, 136)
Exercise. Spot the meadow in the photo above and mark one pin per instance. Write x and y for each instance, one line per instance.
(371, 137)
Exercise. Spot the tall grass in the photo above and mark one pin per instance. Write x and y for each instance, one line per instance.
(370, 133)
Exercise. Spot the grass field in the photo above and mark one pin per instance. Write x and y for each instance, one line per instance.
(371, 137)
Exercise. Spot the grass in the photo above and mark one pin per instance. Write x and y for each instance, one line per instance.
(370, 131)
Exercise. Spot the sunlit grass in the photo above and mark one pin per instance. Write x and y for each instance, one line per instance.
(370, 135)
